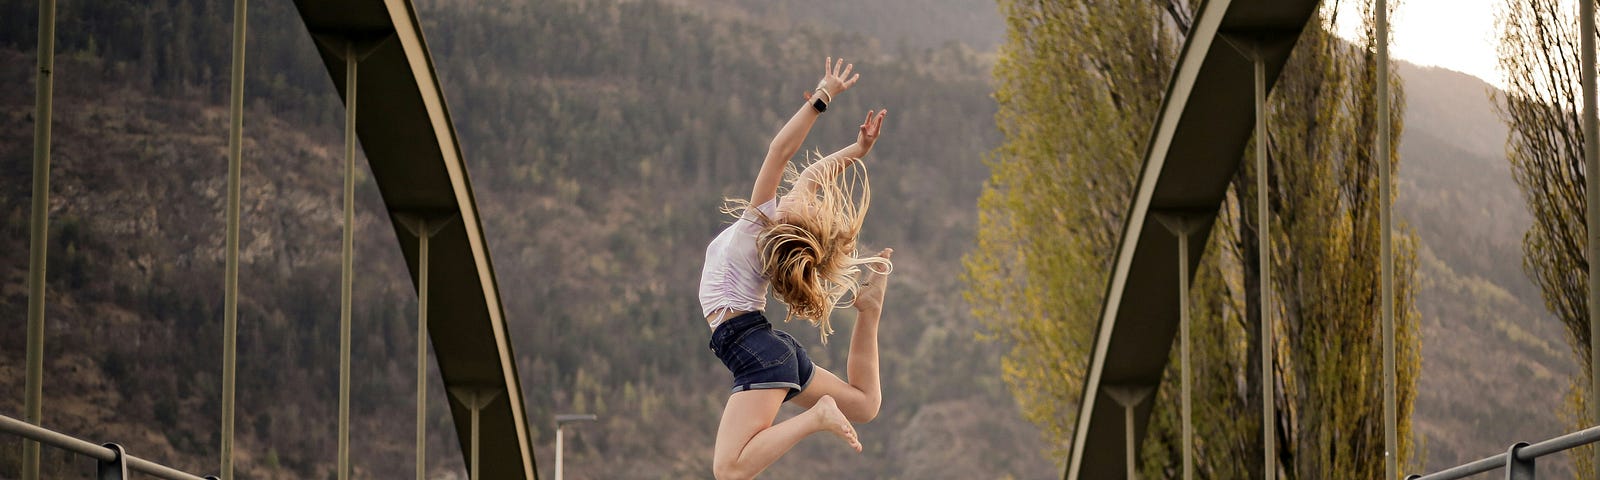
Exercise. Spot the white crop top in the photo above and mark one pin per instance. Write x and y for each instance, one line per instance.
(731, 278)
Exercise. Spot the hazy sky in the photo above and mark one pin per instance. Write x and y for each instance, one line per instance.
(1455, 34)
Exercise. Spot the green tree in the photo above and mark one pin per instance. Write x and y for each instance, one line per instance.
(1049, 217)
(1539, 57)
(1077, 83)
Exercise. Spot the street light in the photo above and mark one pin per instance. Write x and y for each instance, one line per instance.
(561, 421)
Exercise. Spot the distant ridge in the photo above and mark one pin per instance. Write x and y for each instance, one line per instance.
(1495, 363)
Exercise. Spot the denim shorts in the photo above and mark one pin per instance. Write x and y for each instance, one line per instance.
(761, 357)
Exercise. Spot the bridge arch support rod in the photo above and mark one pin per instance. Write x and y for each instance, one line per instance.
(1255, 46)
(1183, 224)
(1591, 161)
(352, 50)
(1391, 439)
(1129, 396)
(475, 399)
(424, 227)
(230, 297)
(39, 235)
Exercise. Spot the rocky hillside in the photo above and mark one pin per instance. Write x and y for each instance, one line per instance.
(598, 192)
(1495, 364)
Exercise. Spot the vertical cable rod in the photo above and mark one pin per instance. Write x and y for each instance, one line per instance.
(477, 436)
(1391, 442)
(347, 275)
(230, 302)
(1183, 349)
(1591, 161)
(1182, 224)
(1264, 240)
(475, 399)
(423, 232)
(39, 234)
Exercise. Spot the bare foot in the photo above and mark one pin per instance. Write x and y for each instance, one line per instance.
(870, 296)
(831, 419)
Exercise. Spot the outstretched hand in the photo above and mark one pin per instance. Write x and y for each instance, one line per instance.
(870, 128)
(869, 298)
(836, 78)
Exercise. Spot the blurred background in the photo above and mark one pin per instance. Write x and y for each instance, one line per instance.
(602, 136)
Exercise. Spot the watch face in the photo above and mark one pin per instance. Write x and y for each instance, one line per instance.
(819, 105)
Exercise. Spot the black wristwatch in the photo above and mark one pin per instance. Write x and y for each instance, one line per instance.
(817, 103)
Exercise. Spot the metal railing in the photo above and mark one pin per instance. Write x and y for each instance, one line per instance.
(114, 463)
(1519, 460)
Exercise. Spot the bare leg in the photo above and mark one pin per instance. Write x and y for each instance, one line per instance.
(748, 442)
(863, 395)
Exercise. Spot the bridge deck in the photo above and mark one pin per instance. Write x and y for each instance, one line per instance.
(1195, 148)
(410, 143)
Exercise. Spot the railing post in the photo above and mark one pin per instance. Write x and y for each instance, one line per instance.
(114, 469)
(1519, 468)
(230, 308)
(39, 235)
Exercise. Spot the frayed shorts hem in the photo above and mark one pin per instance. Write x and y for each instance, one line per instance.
(794, 389)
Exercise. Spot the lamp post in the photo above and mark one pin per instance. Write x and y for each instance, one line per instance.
(561, 421)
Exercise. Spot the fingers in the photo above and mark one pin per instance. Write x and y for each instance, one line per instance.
(852, 81)
(873, 125)
(836, 67)
(827, 67)
(847, 69)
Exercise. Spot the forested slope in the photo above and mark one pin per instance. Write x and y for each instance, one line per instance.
(1495, 368)
(601, 137)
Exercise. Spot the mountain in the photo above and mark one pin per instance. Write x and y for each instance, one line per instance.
(1495, 363)
(976, 24)
(601, 135)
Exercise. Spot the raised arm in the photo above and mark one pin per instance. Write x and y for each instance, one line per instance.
(837, 162)
(836, 79)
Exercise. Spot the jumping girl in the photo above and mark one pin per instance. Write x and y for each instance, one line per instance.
(804, 246)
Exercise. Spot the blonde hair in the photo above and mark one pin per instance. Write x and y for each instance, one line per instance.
(810, 256)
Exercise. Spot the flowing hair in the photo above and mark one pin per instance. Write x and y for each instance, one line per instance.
(810, 256)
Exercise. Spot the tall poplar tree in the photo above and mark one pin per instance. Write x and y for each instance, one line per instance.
(1539, 57)
(1078, 83)
(1051, 212)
